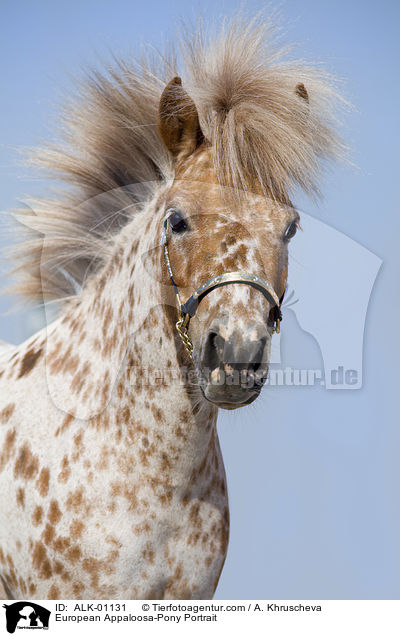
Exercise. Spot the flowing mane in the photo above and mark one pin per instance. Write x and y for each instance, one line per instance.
(265, 118)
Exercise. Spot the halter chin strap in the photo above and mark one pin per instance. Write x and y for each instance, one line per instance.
(188, 309)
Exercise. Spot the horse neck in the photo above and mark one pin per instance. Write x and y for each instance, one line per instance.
(124, 335)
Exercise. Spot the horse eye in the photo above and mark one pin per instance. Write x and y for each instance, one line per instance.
(177, 222)
(291, 230)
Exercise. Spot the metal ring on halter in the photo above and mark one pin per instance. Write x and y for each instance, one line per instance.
(187, 310)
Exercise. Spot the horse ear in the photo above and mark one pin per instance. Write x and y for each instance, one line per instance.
(301, 91)
(178, 121)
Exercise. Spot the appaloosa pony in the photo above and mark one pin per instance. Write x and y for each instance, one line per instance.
(167, 251)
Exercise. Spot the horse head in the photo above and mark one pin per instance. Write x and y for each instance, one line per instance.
(226, 255)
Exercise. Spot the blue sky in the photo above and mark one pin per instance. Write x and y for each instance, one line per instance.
(313, 474)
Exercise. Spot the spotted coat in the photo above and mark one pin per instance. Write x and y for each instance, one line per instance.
(112, 483)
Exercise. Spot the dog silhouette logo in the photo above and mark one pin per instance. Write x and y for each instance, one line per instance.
(26, 615)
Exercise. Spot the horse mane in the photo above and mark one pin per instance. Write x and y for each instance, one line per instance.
(266, 119)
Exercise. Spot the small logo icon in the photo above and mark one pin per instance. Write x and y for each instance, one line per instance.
(26, 615)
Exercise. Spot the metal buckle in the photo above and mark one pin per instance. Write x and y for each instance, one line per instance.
(277, 328)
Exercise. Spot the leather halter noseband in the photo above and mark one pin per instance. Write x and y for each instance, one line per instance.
(187, 310)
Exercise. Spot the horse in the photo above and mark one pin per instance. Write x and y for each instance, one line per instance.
(165, 253)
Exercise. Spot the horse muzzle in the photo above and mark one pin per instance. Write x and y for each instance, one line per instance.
(233, 366)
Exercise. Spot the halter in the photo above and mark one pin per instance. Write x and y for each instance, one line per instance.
(187, 310)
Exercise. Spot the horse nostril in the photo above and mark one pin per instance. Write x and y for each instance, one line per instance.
(258, 357)
(211, 350)
(212, 336)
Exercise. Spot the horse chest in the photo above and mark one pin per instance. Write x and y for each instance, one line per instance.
(179, 555)
(94, 527)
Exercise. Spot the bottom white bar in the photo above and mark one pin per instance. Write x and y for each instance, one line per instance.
(151, 617)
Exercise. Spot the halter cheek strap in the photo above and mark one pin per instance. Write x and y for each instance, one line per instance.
(187, 310)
